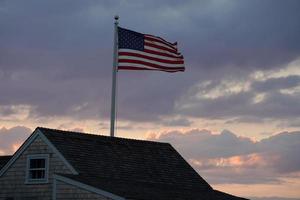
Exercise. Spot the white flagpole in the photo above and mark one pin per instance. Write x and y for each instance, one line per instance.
(114, 80)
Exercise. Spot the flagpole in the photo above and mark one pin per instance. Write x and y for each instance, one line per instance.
(114, 80)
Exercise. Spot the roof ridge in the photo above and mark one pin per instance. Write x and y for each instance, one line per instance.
(103, 136)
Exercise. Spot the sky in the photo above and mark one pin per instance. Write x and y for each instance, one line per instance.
(234, 113)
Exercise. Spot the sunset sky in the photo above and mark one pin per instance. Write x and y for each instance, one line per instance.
(234, 114)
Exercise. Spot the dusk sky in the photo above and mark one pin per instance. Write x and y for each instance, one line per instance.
(234, 114)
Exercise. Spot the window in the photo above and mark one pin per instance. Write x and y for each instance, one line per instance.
(37, 168)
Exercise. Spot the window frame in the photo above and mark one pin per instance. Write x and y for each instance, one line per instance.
(37, 181)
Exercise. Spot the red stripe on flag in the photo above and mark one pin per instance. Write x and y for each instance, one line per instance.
(133, 68)
(143, 68)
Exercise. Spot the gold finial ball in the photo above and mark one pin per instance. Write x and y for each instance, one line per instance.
(116, 17)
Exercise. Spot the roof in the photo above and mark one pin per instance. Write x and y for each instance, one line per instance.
(138, 190)
(4, 160)
(133, 169)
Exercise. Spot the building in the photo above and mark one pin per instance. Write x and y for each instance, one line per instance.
(55, 164)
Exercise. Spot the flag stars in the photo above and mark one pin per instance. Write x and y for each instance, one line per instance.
(130, 39)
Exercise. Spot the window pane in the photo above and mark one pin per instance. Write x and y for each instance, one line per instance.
(37, 163)
(37, 174)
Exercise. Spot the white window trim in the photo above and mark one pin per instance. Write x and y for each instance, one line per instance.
(37, 181)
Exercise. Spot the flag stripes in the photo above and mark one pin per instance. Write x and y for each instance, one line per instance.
(133, 67)
(130, 55)
(155, 54)
(158, 39)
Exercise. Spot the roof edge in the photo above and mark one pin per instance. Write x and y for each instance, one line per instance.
(230, 195)
(20, 150)
(48, 142)
(98, 135)
(87, 187)
(27, 143)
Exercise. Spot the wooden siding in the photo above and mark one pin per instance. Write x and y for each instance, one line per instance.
(12, 183)
(65, 191)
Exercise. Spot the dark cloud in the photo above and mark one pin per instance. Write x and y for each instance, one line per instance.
(227, 158)
(249, 34)
(242, 106)
(177, 122)
(6, 111)
(284, 147)
(12, 138)
(295, 123)
(276, 83)
(245, 119)
(212, 146)
(217, 108)
(56, 56)
(238, 175)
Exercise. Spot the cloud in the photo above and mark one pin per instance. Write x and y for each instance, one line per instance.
(12, 138)
(227, 158)
(249, 100)
(295, 122)
(276, 83)
(284, 148)
(177, 122)
(212, 146)
(55, 57)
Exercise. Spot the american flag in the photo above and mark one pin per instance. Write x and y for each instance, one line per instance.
(137, 51)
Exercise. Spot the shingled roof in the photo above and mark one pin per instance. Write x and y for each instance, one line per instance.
(133, 169)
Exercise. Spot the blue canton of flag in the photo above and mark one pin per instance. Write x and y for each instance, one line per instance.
(130, 40)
